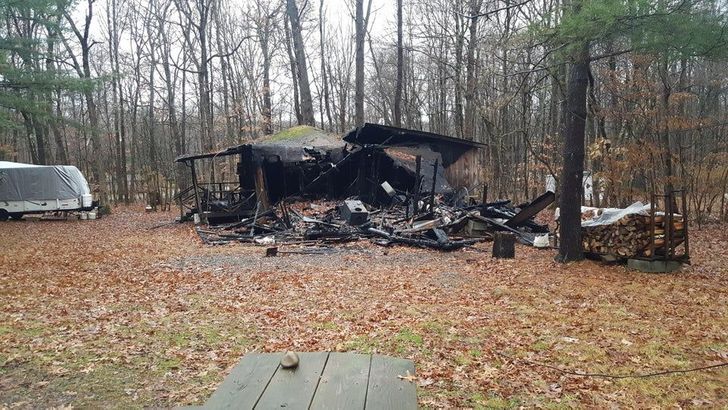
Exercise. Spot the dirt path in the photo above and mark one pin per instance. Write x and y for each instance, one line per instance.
(112, 312)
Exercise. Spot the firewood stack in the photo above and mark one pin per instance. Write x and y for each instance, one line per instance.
(631, 236)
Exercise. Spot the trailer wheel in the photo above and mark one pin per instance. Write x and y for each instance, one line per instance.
(16, 216)
(4, 215)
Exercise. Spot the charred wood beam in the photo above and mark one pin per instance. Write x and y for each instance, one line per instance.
(528, 212)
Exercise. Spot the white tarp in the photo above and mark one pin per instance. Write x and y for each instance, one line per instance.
(609, 216)
(28, 182)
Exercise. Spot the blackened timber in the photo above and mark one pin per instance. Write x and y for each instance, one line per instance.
(261, 189)
(423, 243)
(248, 221)
(434, 185)
(418, 182)
(504, 245)
(194, 185)
(529, 211)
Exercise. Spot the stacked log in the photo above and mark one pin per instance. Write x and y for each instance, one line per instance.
(631, 236)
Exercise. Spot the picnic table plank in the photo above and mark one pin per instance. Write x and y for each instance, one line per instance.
(386, 390)
(343, 383)
(294, 388)
(246, 383)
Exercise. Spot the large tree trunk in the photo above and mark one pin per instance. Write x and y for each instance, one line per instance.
(84, 71)
(665, 133)
(203, 82)
(294, 75)
(170, 83)
(222, 51)
(471, 81)
(307, 117)
(359, 70)
(61, 154)
(324, 76)
(570, 247)
(400, 70)
(267, 104)
(459, 45)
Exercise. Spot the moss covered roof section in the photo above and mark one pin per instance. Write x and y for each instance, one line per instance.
(302, 135)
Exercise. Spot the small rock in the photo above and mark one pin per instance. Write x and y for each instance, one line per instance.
(289, 360)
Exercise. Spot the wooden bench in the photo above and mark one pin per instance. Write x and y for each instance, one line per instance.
(322, 380)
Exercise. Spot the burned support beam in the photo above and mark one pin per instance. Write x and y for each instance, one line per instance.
(418, 182)
(261, 188)
(194, 186)
(434, 186)
(528, 212)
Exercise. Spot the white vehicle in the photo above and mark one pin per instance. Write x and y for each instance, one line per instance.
(35, 189)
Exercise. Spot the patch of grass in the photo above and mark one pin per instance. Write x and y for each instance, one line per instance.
(329, 325)
(433, 327)
(169, 363)
(540, 346)
(180, 339)
(363, 344)
(494, 402)
(566, 402)
(463, 360)
(500, 291)
(30, 329)
(408, 336)
(475, 353)
(106, 386)
(406, 339)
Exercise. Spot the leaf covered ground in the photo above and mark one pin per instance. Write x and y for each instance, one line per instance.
(124, 312)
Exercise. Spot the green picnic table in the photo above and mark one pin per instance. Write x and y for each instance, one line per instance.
(322, 380)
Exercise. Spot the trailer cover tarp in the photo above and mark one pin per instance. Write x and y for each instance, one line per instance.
(28, 182)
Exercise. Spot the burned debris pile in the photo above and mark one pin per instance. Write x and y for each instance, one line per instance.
(383, 184)
(444, 226)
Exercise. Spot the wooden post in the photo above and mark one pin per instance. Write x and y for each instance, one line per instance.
(418, 180)
(261, 188)
(504, 245)
(652, 225)
(194, 186)
(485, 194)
(668, 229)
(434, 184)
(361, 176)
(685, 222)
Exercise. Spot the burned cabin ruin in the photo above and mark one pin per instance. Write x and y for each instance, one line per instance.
(304, 162)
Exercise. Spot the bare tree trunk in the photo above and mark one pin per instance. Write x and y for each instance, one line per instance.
(324, 79)
(459, 44)
(471, 81)
(265, 23)
(170, 84)
(61, 152)
(665, 133)
(294, 75)
(359, 71)
(304, 85)
(222, 51)
(84, 71)
(400, 69)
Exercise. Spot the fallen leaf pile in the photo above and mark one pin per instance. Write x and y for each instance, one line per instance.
(126, 311)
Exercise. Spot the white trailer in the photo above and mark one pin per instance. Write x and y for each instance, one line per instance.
(36, 189)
